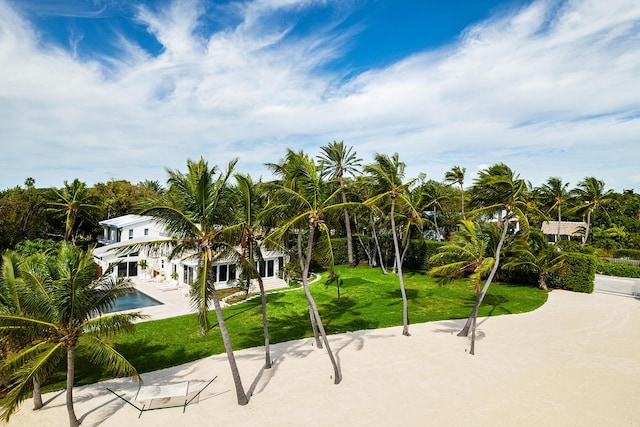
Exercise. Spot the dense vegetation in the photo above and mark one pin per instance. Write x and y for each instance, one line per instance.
(436, 246)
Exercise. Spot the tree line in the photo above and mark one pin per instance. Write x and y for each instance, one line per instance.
(212, 213)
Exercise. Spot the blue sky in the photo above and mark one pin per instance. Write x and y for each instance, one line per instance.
(119, 89)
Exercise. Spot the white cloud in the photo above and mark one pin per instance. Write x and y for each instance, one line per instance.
(547, 89)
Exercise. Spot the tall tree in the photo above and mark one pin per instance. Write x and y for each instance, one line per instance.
(496, 191)
(387, 173)
(456, 176)
(311, 200)
(63, 304)
(75, 202)
(338, 160)
(196, 211)
(250, 232)
(554, 195)
(589, 196)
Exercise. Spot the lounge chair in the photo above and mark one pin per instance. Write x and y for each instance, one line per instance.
(165, 396)
(173, 284)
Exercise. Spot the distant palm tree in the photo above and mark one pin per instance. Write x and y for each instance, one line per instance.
(555, 194)
(338, 160)
(196, 211)
(63, 304)
(456, 176)
(589, 196)
(74, 201)
(387, 174)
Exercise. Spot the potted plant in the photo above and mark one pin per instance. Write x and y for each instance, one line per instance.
(143, 266)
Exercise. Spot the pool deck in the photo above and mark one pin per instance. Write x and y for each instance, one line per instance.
(176, 302)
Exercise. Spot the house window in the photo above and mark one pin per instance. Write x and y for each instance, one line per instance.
(232, 272)
(222, 274)
(131, 233)
(146, 231)
(270, 265)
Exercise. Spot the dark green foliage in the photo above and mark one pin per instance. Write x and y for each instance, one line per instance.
(430, 248)
(618, 269)
(340, 255)
(32, 247)
(627, 253)
(579, 274)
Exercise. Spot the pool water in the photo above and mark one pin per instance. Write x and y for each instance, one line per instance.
(134, 299)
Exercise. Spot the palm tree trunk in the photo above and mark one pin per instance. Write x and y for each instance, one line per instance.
(37, 395)
(405, 309)
(314, 309)
(73, 420)
(586, 233)
(474, 313)
(464, 217)
(347, 226)
(314, 327)
(559, 221)
(265, 327)
(378, 250)
(237, 381)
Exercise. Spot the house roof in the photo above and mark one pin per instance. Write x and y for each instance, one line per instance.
(125, 220)
(567, 228)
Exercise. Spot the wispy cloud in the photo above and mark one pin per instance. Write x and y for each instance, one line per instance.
(550, 89)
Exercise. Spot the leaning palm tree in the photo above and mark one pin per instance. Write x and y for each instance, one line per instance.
(456, 176)
(387, 173)
(290, 171)
(497, 190)
(63, 304)
(337, 160)
(310, 202)
(553, 195)
(196, 211)
(589, 196)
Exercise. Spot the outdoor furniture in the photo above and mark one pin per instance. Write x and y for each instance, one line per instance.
(164, 396)
(173, 284)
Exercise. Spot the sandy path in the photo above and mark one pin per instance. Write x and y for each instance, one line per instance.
(575, 361)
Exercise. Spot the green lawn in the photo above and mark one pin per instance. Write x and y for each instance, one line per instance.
(369, 300)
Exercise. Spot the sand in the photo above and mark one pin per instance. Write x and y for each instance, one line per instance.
(575, 361)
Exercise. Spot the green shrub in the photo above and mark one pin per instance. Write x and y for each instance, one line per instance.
(579, 274)
(618, 269)
(627, 253)
(340, 253)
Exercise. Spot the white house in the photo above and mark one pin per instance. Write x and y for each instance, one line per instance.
(566, 230)
(131, 229)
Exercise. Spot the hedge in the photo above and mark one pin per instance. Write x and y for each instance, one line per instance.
(618, 269)
(580, 273)
(627, 253)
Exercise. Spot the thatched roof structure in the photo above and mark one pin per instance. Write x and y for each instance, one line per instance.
(567, 228)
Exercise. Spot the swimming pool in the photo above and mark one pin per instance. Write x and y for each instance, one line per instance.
(134, 299)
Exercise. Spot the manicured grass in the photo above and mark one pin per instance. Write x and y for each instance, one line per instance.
(369, 300)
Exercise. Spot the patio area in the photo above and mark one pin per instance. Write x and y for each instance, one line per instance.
(175, 299)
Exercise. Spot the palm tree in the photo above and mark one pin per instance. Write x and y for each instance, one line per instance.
(63, 304)
(542, 258)
(456, 176)
(337, 160)
(554, 194)
(194, 211)
(11, 284)
(308, 204)
(589, 196)
(290, 170)
(250, 231)
(466, 254)
(434, 195)
(496, 190)
(387, 174)
(73, 201)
